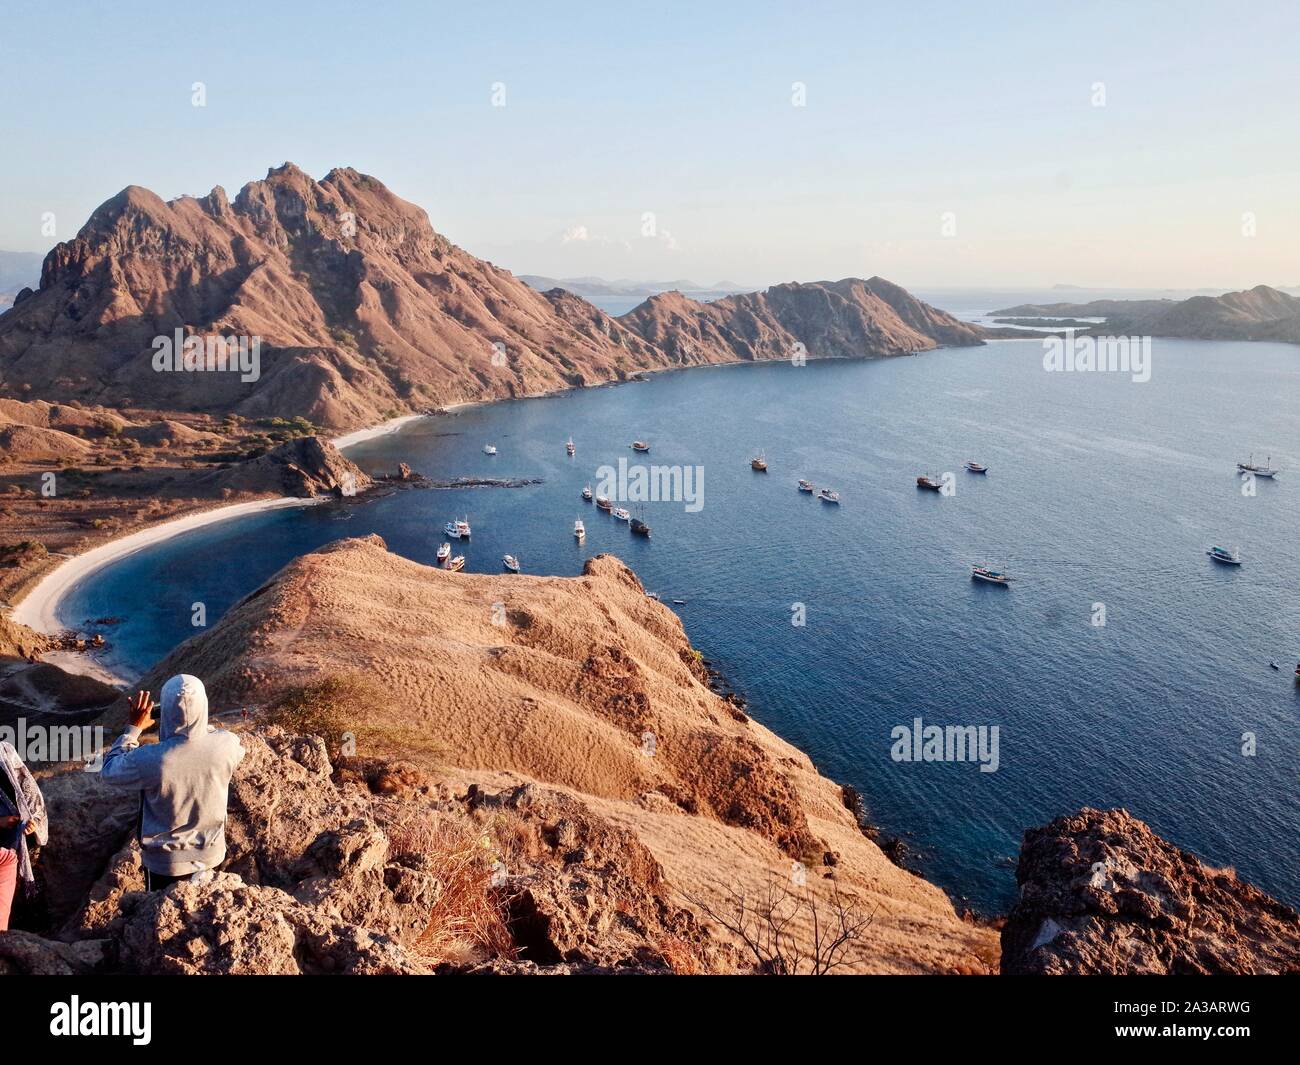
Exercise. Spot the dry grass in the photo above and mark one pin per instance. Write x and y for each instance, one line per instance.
(468, 920)
(683, 957)
(330, 708)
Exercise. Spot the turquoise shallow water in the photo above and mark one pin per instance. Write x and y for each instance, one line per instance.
(1100, 491)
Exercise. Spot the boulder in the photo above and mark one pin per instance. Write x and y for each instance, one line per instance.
(1101, 893)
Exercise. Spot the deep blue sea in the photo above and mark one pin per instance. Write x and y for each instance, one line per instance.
(1100, 491)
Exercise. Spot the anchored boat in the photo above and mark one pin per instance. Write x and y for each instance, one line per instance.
(929, 483)
(621, 513)
(1265, 470)
(759, 463)
(511, 563)
(579, 530)
(586, 493)
(1222, 554)
(806, 486)
(488, 449)
(456, 564)
(457, 529)
(827, 496)
(640, 528)
(568, 446)
(989, 576)
(975, 467)
(640, 445)
(444, 552)
(604, 504)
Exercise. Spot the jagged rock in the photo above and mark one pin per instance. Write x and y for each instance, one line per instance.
(1101, 893)
(228, 927)
(25, 954)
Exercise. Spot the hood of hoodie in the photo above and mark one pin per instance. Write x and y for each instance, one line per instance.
(184, 707)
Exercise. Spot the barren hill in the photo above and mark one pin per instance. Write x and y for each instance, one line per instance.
(498, 681)
(364, 311)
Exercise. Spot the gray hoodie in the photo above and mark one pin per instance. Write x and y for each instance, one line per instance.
(184, 780)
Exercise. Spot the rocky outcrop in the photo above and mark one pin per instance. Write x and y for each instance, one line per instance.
(363, 310)
(305, 467)
(369, 868)
(1101, 893)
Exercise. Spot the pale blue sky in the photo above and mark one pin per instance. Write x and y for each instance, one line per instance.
(614, 110)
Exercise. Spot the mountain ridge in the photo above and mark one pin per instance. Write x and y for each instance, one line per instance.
(365, 311)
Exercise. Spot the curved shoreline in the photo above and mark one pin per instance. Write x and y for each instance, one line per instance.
(39, 608)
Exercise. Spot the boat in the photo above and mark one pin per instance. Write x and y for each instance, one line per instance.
(456, 564)
(604, 504)
(444, 552)
(511, 563)
(579, 530)
(653, 595)
(680, 602)
(488, 449)
(975, 467)
(930, 483)
(827, 496)
(586, 493)
(1259, 471)
(640, 445)
(759, 463)
(1275, 666)
(640, 528)
(991, 576)
(621, 513)
(457, 529)
(569, 446)
(806, 486)
(1222, 554)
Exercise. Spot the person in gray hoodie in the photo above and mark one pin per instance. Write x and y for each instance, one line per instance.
(183, 780)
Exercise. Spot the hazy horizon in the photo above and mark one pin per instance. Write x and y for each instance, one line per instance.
(1101, 148)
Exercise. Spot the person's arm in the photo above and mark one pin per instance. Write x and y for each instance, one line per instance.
(34, 801)
(119, 767)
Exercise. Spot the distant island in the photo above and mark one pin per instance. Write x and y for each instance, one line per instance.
(1260, 313)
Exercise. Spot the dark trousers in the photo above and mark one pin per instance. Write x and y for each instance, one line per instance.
(158, 882)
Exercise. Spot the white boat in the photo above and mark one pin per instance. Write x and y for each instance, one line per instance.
(806, 486)
(586, 493)
(990, 576)
(444, 552)
(488, 449)
(457, 529)
(975, 467)
(622, 513)
(511, 563)
(579, 530)
(569, 446)
(640, 445)
(827, 496)
(456, 564)
(1222, 554)
(1249, 466)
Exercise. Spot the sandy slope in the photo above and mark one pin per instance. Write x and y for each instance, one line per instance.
(562, 693)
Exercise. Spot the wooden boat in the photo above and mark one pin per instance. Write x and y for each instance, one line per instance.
(989, 576)
(928, 483)
(457, 563)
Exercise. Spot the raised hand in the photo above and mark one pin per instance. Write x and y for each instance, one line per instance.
(141, 711)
